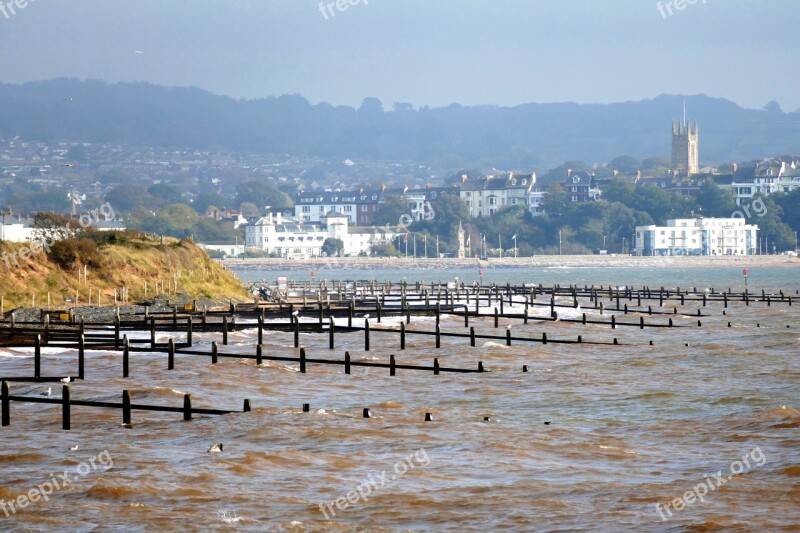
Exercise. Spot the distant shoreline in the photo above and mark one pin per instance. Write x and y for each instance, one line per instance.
(544, 261)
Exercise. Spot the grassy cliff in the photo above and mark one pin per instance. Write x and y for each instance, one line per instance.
(102, 262)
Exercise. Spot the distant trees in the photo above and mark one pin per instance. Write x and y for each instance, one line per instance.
(262, 194)
(332, 247)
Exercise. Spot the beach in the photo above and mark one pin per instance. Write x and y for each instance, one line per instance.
(542, 261)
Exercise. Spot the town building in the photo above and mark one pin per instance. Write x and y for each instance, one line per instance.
(698, 236)
(765, 177)
(487, 196)
(294, 239)
(580, 186)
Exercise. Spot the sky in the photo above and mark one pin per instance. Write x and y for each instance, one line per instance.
(423, 52)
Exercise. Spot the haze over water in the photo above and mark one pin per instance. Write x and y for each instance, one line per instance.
(629, 426)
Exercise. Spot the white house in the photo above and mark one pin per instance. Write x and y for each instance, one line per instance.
(17, 229)
(487, 196)
(698, 236)
(303, 240)
(765, 177)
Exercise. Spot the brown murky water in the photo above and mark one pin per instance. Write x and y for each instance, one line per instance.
(630, 427)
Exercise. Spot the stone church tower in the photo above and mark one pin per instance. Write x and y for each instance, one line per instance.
(685, 147)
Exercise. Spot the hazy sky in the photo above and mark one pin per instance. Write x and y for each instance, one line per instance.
(426, 52)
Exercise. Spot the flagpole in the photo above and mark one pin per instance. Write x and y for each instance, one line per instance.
(515, 245)
(425, 242)
(437, 247)
(500, 243)
(415, 246)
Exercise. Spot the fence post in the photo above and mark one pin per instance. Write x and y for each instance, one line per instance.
(472, 336)
(302, 360)
(187, 407)
(126, 346)
(392, 365)
(171, 355)
(116, 332)
(366, 334)
(189, 331)
(436, 366)
(153, 333)
(81, 356)
(6, 401)
(225, 330)
(438, 336)
(214, 350)
(296, 329)
(346, 362)
(402, 335)
(261, 327)
(65, 407)
(259, 355)
(331, 332)
(37, 357)
(126, 407)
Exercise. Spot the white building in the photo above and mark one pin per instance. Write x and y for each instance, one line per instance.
(535, 199)
(698, 236)
(487, 196)
(765, 177)
(303, 240)
(17, 229)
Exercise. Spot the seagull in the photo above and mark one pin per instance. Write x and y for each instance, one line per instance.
(366, 316)
(216, 448)
(47, 393)
(73, 448)
(139, 51)
(66, 379)
(295, 313)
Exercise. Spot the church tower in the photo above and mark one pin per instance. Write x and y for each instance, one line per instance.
(685, 147)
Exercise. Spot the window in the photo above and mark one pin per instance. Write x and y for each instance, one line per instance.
(306, 209)
(364, 208)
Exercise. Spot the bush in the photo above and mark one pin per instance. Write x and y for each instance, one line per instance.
(69, 252)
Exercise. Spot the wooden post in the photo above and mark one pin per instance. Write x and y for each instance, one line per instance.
(366, 334)
(392, 365)
(47, 329)
(171, 355)
(116, 333)
(544, 338)
(438, 336)
(466, 315)
(261, 328)
(81, 355)
(508, 337)
(302, 360)
(37, 357)
(246, 407)
(126, 346)
(189, 331)
(496, 318)
(346, 362)
(187, 407)
(6, 401)
(472, 336)
(350, 306)
(378, 310)
(65, 408)
(214, 351)
(297, 329)
(613, 322)
(331, 332)
(153, 333)
(259, 355)
(126, 407)
(436, 366)
(402, 335)
(225, 330)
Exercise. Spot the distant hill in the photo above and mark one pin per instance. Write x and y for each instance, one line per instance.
(521, 137)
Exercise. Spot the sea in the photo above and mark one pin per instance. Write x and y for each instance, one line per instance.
(691, 428)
